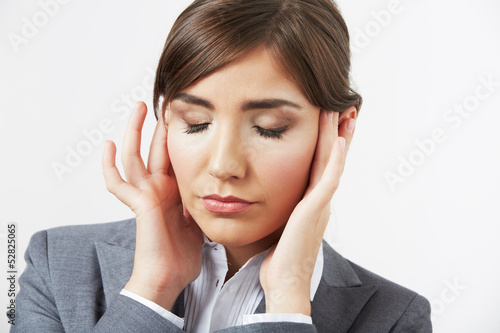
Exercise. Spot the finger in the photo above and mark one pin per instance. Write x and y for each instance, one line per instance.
(326, 136)
(323, 192)
(346, 132)
(114, 182)
(133, 165)
(158, 159)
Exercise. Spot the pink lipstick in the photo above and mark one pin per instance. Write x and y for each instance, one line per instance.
(225, 205)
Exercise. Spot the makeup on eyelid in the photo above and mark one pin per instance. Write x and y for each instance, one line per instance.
(192, 116)
(271, 123)
(274, 119)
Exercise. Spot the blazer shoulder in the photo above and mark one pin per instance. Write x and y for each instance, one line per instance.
(410, 309)
(95, 231)
(384, 285)
(77, 240)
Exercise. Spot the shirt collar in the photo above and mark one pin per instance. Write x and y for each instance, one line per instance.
(258, 258)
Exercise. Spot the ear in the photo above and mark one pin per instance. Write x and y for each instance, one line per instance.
(166, 114)
(350, 113)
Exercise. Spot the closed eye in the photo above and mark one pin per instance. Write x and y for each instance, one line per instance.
(275, 133)
(196, 128)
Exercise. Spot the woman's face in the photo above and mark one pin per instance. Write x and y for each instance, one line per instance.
(247, 132)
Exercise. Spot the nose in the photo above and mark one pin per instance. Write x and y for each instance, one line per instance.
(227, 156)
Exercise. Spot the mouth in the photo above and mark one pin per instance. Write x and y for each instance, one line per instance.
(225, 205)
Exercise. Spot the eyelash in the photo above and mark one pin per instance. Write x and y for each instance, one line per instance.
(266, 133)
(271, 133)
(197, 128)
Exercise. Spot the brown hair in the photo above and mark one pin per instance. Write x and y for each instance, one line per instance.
(309, 38)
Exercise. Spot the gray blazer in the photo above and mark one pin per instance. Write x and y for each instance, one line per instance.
(74, 275)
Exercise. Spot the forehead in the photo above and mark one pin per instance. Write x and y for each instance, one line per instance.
(255, 74)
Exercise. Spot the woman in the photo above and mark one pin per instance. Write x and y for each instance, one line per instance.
(254, 125)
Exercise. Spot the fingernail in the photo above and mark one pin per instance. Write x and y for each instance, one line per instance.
(329, 114)
(342, 144)
(351, 125)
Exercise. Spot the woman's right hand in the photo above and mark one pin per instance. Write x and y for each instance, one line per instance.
(168, 241)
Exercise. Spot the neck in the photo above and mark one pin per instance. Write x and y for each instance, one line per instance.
(237, 256)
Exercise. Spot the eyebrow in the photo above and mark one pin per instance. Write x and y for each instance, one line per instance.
(268, 103)
(190, 99)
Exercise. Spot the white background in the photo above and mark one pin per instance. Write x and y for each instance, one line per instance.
(437, 232)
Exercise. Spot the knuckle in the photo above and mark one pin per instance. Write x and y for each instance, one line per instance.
(332, 188)
(110, 188)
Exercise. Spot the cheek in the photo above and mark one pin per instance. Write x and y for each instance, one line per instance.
(287, 172)
(181, 159)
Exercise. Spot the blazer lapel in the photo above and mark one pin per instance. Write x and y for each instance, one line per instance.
(116, 261)
(340, 296)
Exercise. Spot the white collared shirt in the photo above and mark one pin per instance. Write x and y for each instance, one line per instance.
(211, 305)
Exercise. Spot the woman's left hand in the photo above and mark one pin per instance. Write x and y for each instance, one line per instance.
(286, 271)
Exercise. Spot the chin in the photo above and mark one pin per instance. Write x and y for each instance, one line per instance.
(234, 235)
(228, 235)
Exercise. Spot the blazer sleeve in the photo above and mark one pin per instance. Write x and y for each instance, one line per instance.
(37, 309)
(127, 315)
(276, 327)
(416, 318)
(35, 306)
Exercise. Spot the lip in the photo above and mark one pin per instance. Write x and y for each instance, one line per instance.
(225, 205)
